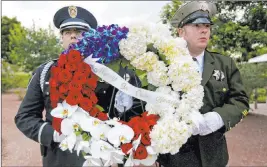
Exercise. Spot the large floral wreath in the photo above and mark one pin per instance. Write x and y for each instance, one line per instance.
(162, 60)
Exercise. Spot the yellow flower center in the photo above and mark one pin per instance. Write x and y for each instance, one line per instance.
(64, 145)
(103, 148)
(96, 122)
(102, 136)
(65, 112)
(122, 138)
(76, 126)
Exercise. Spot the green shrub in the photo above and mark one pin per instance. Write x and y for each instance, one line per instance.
(261, 99)
(21, 79)
(21, 93)
(14, 80)
(6, 83)
(261, 95)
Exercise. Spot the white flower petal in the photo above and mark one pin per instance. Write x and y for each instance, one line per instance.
(57, 112)
(150, 160)
(101, 149)
(86, 124)
(120, 134)
(63, 145)
(71, 140)
(113, 122)
(78, 116)
(150, 150)
(81, 146)
(67, 127)
(71, 109)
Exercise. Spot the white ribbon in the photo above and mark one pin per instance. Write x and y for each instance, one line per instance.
(115, 80)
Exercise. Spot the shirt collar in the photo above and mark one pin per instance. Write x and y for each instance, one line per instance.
(200, 58)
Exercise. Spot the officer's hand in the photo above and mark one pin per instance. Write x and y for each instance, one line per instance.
(213, 122)
(57, 137)
(123, 102)
(198, 122)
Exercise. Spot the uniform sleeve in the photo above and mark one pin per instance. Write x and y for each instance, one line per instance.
(237, 103)
(29, 117)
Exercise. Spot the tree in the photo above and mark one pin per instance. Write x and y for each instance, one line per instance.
(7, 25)
(246, 37)
(31, 47)
(254, 75)
(255, 13)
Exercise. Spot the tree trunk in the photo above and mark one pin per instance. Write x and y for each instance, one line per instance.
(255, 98)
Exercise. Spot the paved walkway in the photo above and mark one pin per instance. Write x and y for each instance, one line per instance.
(247, 142)
(261, 109)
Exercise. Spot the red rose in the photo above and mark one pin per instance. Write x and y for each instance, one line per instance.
(71, 67)
(74, 56)
(64, 76)
(62, 60)
(56, 124)
(84, 68)
(53, 104)
(54, 95)
(140, 152)
(93, 98)
(126, 147)
(91, 82)
(64, 88)
(87, 92)
(55, 71)
(134, 121)
(141, 128)
(86, 104)
(151, 119)
(145, 139)
(102, 116)
(53, 82)
(94, 76)
(80, 77)
(94, 111)
(74, 97)
(75, 86)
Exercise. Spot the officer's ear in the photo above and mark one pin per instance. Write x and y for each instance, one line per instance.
(180, 31)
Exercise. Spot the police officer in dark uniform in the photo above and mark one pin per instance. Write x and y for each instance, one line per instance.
(71, 21)
(225, 100)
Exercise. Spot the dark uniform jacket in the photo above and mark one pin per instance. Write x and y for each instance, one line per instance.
(226, 97)
(31, 123)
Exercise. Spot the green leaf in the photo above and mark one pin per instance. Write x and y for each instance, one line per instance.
(100, 108)
(77, 133)
(115, 66)
(86, 137)
(163, 58)
(151, 87)
(83, 153)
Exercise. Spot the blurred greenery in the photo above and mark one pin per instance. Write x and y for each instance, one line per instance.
(12, 77)
(241, 38)
(231, 36)
(262, 95)
(24, 49)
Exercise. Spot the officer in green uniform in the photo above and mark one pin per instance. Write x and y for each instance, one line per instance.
(225, 100)
(71, 21)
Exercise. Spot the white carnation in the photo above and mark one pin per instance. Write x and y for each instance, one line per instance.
(168, 135)
(145, 61)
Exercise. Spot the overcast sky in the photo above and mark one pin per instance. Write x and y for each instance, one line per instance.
(106, 12)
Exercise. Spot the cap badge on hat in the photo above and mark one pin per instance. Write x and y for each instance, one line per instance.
(72, 11)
